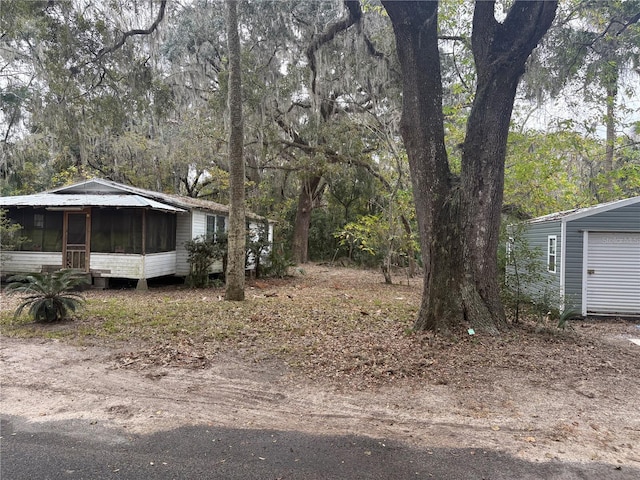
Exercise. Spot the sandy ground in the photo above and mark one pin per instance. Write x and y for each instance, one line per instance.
(565, 415)
(49, 381)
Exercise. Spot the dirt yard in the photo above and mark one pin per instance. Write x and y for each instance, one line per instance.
(289, 362)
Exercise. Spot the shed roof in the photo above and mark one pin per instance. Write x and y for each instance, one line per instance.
(574, 214)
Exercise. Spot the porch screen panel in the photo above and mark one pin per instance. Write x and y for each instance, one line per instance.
(41, 229)
(161, 232)
(116, 230)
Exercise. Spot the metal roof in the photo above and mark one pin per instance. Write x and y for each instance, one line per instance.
(98, 192)
(54, 200)
(104, 187)
(573, 214)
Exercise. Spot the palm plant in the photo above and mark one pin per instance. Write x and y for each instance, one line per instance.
(49, 296)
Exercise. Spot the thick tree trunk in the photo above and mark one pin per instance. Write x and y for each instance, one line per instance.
(459, 219)
(415, 26)
(236, 234)
(500, 52)
(302, 223)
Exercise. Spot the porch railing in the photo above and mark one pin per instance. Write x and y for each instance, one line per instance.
(76, 257)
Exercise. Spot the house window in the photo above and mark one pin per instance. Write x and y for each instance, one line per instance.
(216, 224)
(221, 224)
(211, 226)
(551, 253)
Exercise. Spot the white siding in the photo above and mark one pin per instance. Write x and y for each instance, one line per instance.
(122, 265)
(159, 264)
(612, 273)
(118, 265)
(183, 235)
(29, 262)
(216, 267)
(198, 223)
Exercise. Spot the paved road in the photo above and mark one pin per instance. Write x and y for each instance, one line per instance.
(80, 450)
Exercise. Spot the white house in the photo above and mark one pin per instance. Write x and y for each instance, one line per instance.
(111, 230)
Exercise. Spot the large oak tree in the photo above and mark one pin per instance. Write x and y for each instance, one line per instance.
(459, 216)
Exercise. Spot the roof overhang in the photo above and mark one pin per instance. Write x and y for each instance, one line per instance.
(570, 215)
(73, 202)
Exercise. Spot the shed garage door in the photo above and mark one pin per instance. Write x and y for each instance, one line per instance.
(613, 273)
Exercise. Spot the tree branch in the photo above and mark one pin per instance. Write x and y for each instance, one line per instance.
(509, 42)
(353, 16)
(105, 51)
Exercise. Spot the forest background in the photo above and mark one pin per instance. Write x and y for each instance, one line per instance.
(136, 91)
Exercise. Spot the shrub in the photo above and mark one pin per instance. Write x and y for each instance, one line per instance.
(526, 284)
(203, 251)
(50, 296)
(278, 262)
(258, 246)
(9, 237)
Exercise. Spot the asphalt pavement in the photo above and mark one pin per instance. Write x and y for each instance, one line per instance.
(78, 449)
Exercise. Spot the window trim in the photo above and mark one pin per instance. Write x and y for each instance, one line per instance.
(509, 250)
(551, 255)
(219, 225)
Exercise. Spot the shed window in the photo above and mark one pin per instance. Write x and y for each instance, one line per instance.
(509, 250)
(551, 253)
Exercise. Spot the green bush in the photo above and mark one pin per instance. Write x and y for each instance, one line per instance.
(9, 235)
(278, 262)
(202, 252)
(258, 245)
(49, 296)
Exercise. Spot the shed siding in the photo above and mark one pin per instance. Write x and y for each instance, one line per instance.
(537, 237)
(623, 219)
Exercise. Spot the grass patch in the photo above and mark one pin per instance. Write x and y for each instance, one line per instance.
(349, 326)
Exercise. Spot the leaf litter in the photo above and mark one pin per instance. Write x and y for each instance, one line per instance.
(347, 337)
